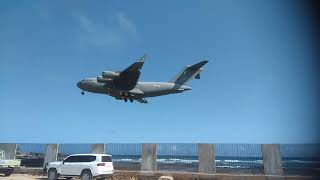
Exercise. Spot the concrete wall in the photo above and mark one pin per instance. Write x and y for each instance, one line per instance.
(9, 150)
(272, 161)
(149, 157)
(51, 153)
(206, 155)
(98, 149)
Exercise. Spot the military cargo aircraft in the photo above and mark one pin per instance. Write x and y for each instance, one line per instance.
(124, 85)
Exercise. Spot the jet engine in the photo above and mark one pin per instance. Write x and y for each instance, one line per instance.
(109, 74)
(104, 80)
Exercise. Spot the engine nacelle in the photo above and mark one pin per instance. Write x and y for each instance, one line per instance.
(104, 80)
(109, 74)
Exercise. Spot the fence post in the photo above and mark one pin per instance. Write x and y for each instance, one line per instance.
(51, 153)
(149, 157)
(97, 149)
(272, 161)
(206, 155)
(9, 150)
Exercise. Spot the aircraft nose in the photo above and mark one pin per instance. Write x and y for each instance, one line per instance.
(79, 84)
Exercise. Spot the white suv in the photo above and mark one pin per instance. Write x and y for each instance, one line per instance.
(85, 166)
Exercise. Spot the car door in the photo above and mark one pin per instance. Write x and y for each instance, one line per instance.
(68, 166)
(84, 162)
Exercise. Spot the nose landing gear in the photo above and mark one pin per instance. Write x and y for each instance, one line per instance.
(82, 92)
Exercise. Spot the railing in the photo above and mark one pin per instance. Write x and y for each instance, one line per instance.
(287, 159)
(177, 157)
(68, 149)
(128, 159)
(239, 158)
(302, 159)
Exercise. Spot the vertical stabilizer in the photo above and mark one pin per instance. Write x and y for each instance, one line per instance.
(188, 73)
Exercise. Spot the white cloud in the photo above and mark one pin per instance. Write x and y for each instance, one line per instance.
(127, 25)
(116, 33)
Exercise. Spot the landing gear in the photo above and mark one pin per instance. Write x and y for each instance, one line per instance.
(126, 96)
(82, 92)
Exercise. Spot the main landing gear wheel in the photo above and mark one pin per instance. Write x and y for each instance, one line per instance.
(125, 99)
(82, 93)
(131, 100)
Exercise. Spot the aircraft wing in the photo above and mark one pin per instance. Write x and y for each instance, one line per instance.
(128, 78)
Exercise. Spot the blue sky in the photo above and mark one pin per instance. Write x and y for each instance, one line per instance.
(260, 86)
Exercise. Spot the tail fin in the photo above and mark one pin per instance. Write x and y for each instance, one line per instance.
(188, 73)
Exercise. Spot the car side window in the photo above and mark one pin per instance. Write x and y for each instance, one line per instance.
(71, 159)
(86, 158)
(74, 159)
(106, 159)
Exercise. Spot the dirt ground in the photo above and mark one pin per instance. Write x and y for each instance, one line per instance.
(22, 177)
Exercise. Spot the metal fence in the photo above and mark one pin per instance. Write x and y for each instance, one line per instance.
(302, 159)
(68, 149)
(239, 158)
(177, 157)
(125, 156)
(297, 159)
(31, 155)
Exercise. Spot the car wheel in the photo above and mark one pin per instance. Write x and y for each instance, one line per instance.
(86, 175)
(52, 174)
(7, 173)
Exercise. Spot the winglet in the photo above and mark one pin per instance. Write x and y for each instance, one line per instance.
(137, 65)
(142, 59)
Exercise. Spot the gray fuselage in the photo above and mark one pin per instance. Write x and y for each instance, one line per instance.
(141, 90)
